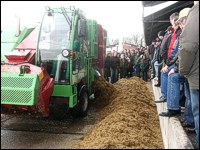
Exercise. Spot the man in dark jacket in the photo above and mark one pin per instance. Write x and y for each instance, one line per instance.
(107, 67)
(144, 65)
(165, 43)
(173, 48)
(157, 61)
(152, 49)
(114, 67)
(189, 60)
(175, 79)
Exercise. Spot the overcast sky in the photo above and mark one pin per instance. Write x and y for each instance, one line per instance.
(120, 18)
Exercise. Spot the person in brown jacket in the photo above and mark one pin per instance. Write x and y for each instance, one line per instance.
(189, 60)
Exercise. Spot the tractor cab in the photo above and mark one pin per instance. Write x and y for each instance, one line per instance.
(53, 39)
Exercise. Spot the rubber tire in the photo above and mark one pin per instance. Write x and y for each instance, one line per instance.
(78, 111)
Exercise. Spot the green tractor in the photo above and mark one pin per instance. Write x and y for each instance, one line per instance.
(57, 74)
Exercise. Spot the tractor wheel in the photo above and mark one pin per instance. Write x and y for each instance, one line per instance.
(81, 109)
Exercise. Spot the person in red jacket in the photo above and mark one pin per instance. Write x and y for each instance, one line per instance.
(172, 48)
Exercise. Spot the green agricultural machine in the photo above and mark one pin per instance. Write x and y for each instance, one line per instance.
(52, 70)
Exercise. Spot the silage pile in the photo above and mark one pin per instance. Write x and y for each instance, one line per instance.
(128, 118)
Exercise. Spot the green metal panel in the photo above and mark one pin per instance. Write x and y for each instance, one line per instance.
(66, 91)
(19, 89)
(92, 36)
(74, 27)
(9, 41)
(62, 90)
(73, 99)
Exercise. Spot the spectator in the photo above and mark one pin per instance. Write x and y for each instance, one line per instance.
(114, 68)
(189, 61)
(161, 35)
(124, 64)
(107, 67)
(144, 65)
(136, 64)
(157, 61)
(151, 50)
(165, 43)
(173, 48)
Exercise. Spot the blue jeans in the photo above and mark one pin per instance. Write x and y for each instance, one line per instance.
(195, 110)
(188, 116)
(137, 70)
(164, 79)
(144, 75)
(114, 75)
(157, 67)
(173, 90)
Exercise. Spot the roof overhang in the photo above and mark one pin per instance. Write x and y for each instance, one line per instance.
(151, 3)
(160, 20)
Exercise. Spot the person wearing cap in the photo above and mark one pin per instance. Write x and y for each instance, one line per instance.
(158, 64)
(189, 61)
(188, 119)
(157, 59)
(174, 78)
(161, 34)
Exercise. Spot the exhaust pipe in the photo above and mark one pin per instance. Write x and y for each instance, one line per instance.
(18, 25)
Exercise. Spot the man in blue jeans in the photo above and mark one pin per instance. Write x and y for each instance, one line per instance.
(189, 60)
(174, 78)
(173, 94)
(188, 118)
(173, 48)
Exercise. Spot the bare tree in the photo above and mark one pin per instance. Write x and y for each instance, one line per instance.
(135, 39)
(141, 40)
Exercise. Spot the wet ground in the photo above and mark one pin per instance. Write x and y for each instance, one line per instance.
(27, 132)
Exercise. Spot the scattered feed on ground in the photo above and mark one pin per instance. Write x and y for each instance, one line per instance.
(127, 117)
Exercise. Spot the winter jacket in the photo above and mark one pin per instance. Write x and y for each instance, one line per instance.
(144, 65)
(136, 60)
(175, 46)
(174, 37)
(174, 62)
(189, 52)
(157, 56)
(107, 62)
(115, 62)
(151, 50)
(165, 46)
(124, 64)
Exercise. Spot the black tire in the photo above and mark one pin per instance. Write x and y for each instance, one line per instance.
(81, 109)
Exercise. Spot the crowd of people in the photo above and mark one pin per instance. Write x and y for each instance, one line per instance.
(126, 64)
(174, 59)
